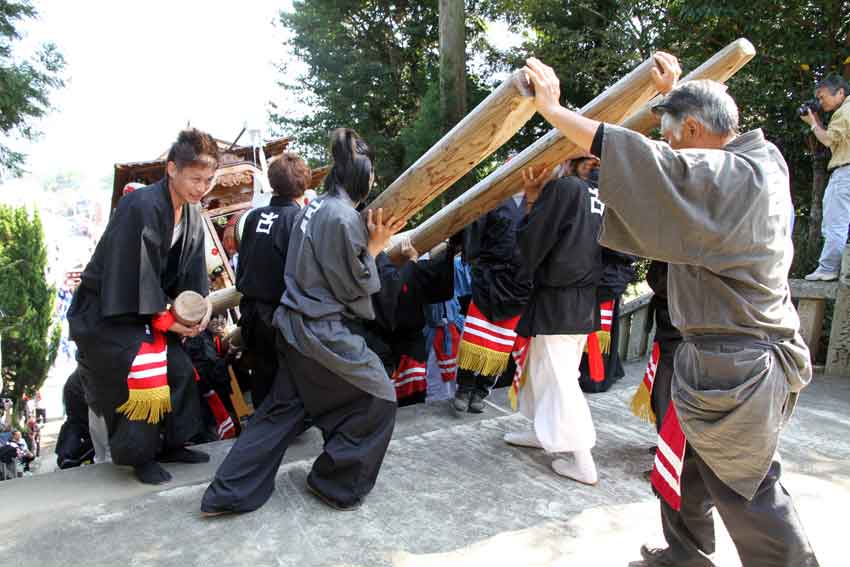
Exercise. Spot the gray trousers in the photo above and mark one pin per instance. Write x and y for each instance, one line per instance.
(356, 426)
(766, 530)
(836, 218)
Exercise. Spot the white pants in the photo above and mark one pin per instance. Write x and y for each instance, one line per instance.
(836, 217)
(551, 396)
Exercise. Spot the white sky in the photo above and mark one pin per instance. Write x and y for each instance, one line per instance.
(139, 71)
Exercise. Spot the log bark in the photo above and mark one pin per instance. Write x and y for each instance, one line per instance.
(480, 133)
(628, 97)
(224, 299)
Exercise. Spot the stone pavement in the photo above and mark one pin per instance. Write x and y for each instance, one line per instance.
(451, 493)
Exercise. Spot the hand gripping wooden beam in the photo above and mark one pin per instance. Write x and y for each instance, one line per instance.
(629, 97)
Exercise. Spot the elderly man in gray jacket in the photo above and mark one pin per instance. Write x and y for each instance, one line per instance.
(716, 205)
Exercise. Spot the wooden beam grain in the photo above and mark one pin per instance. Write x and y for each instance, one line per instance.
(629, 97)
(479, 134)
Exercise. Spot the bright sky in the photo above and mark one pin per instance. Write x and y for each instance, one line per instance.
(139, 71)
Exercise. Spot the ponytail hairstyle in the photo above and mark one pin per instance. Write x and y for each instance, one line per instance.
(352, 165)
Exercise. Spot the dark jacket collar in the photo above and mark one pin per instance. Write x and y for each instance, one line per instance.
(280, 201)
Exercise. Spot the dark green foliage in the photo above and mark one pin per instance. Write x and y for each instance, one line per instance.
(24, 83)
(29, 344)
(371, 65)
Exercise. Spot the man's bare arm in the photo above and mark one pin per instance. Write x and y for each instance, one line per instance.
(547, 92)
(577, 128)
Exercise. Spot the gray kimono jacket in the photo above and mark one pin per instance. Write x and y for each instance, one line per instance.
(330, 277)
(721, 218)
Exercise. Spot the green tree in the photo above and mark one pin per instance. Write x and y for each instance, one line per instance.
(591, 45)
(30, 341)
(369, 64)
(25, 83)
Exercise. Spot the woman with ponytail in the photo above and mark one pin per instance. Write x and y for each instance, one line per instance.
(326, 370)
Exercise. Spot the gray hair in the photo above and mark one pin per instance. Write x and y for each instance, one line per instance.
(705, 101)
(833, 83)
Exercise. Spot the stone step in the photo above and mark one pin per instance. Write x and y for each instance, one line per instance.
(451, 493)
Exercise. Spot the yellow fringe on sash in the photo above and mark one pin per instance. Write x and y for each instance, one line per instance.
(513, 396)
(642, 403)
(149, 405)
(484, 361)
(604, 341)
(604, 338)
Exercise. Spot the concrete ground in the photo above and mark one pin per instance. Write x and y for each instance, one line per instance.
(450, 494)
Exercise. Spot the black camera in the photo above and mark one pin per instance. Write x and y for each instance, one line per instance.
(812, 104)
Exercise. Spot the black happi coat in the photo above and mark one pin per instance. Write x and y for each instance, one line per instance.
(260, 272)
(398, 327)
(659, 311)
(558, 240)
(133, 274)
(500, 287)
(262, 250)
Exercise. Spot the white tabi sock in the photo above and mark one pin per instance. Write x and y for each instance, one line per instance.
(582, 469)
(523, 439)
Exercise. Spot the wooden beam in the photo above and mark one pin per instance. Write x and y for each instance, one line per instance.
(478, 135)
(224, 299)
(630, 96)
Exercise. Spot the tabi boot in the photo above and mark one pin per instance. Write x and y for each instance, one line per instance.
(582, 469)
(523, 439)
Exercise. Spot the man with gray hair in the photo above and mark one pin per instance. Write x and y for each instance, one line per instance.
(832, 95)
(716, 206)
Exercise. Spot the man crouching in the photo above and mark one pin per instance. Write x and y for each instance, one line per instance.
(136, 374)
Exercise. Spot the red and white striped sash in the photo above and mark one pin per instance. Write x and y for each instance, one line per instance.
(447, 358)
(485, 346)
(669, 457)
(410, 377)
(520, 354)
(149, 397)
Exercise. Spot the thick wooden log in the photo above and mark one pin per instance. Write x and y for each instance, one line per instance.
(624, 99)
(483, 131)
(224, 299)
(838, 353)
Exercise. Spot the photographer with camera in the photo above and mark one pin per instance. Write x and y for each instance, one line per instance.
(831, 94)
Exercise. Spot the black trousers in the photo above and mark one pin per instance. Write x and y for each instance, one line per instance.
(134, 443)
(766, 530)
(259, 337)
(469, 381)
(356, 426)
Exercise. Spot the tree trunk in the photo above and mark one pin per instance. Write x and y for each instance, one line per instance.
(819, 179)
(452, 71)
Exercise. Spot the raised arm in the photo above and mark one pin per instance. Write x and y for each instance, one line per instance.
(577, 128)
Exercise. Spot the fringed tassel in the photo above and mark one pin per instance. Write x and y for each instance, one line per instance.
(642, 400)
(149, 405)
(604, 338)
(642, 404)
(481, 360)
(519, 382)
